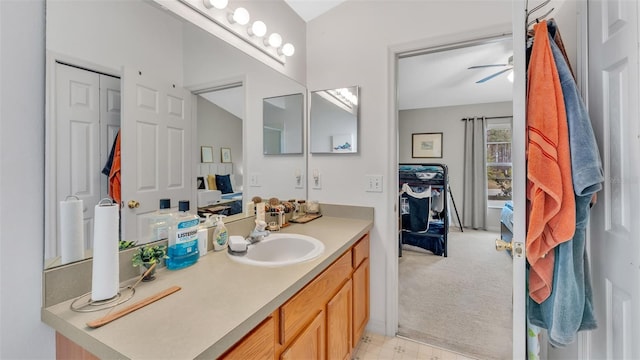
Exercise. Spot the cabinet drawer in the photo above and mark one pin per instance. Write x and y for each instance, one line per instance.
(296, 313)
(361, 251)
(258, 345)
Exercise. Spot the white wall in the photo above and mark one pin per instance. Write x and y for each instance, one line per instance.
(341, 53)
(22, 335)
(113, 34)
(447, 121)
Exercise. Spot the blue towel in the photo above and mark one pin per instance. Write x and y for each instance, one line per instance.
(569, 308)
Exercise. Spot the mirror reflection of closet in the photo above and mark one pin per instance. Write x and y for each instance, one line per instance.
(334, 118)
(87, 122)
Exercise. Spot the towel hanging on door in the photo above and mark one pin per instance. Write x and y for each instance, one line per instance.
(549, 182)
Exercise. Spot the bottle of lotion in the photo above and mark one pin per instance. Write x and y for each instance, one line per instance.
(220, 235)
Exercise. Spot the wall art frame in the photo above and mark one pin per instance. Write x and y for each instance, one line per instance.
(225, 155)
(206, 154)
(426, 145)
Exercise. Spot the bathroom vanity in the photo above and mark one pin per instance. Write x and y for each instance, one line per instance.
(225, 309)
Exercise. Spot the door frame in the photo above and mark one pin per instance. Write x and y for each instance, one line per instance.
(517, 29)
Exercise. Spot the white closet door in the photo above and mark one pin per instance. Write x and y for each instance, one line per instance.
(156, 149)
(79, 168)
(110, 111)
(614, 95)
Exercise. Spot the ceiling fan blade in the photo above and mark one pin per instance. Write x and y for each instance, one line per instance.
(492, 76)
(486, 66)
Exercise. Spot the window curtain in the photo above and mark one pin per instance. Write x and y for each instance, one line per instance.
(475, 174)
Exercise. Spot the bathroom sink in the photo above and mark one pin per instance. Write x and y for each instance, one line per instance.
(281, 249)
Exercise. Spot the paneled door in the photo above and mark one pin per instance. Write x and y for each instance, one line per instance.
(615, 243)
(156, 149)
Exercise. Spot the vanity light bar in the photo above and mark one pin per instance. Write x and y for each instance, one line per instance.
(241, 17)
(345, 96)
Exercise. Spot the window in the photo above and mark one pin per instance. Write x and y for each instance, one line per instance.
(499, 173)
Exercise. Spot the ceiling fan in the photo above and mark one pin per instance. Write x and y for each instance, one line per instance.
(508, 66)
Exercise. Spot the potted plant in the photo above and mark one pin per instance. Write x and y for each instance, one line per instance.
(147, 255)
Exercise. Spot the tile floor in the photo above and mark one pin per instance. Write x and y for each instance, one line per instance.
(380, 347)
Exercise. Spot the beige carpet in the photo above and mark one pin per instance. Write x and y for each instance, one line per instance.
(462, 302)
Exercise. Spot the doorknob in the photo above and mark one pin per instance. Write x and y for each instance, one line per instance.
(514, 247)
(133, 204)
(502, 245)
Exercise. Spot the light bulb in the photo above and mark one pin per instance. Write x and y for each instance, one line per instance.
(274, 40)
(258, 28)
(510, 76)
(240, 16)
(287, 49)
(218, 4)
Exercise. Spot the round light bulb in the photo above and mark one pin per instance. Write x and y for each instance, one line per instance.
(241, 16)
(258, 28)
(288, 49)
(218, 4)
(510, 76)
(274, 40)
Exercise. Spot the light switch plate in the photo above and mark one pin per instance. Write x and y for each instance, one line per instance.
(254, 180)
(316, 179)
(373, 183)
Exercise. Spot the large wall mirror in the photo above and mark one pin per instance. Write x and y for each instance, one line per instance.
(333, 120)
(110, 52)
(283, 124)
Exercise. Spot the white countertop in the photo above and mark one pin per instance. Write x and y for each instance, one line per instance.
(220, 301)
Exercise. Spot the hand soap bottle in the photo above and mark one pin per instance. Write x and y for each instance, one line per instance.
(220, 235)
(160, 221)
(203, 235)
(183, 238)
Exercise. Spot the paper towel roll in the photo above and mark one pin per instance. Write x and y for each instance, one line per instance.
(105, 277)
(71, 230)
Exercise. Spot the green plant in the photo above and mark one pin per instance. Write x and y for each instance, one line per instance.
(126, 244)
(149, 255)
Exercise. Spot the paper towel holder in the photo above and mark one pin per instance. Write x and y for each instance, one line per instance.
(84, 303)
(106, 202)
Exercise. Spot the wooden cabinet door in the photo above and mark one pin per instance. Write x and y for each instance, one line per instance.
(360, 300)
(67, 350)
(310, 344)
(339, 324)
(259, 344)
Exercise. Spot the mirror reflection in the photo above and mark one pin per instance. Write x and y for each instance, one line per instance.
(283, 124)
(165, 62)
(334, 120)
(219, 122)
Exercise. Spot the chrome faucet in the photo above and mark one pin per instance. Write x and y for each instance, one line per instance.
(258, 233)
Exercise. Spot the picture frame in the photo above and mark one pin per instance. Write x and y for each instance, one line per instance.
(206, 154)
(426, 145)
(225, 155)
(201, 184)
